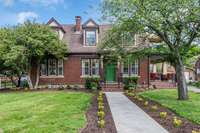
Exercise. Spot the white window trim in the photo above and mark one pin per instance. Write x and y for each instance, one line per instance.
(85, 38)
(137, 72)
(122, 70)
(49, 67)
(57, 74)
(62, 64)
(95, 66)
(90, 68)
(130, 73)
(83, 67)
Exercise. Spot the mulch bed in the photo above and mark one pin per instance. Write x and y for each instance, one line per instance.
(92, 118)
(186, 127)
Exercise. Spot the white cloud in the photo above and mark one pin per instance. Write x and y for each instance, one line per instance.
(23, 16)
(7, 3)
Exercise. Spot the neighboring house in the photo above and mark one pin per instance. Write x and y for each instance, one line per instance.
(85, 60)
(190, 74)
(197, 69)
(161, 71)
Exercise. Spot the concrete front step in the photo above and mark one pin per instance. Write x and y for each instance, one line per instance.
(112, 87)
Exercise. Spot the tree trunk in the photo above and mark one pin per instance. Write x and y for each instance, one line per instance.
(29, 80)
(37, 75)
(181, 81)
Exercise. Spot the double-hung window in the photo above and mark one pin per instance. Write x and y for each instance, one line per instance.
(85, 67)
(134, 67)
(51, 67)
(130, 68)
(95, 67)
(125, 69)
(90, 67)
(90, 38)
(43, 68)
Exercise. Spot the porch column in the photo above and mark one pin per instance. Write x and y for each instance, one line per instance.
(119, 69)
(164, 68)
(101, 67)
(154, 68)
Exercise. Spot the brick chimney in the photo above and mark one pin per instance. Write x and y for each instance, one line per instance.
(78, 24)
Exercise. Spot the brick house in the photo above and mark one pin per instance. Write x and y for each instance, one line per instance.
(85, 60)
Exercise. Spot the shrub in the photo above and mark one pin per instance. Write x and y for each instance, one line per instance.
(101, 107)
(100, 99)
(177, 122)
(61, 87)
(69, 87)
(100, 93)
(154, 108)
(101, 123)
(146, 103)
(100, 103)
(130, 83)
(140, 99)
(92, 83)
(130, 94)
(101, 115)
(163, 115)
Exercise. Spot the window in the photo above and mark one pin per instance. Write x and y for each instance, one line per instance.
(151, 68)
(125, 68)
(43, 68)
(60, 67)
(130, 68)
(134, 68)
(85, 67)
(90, 67)
(51, 67)
(95, 67)
(90, 38)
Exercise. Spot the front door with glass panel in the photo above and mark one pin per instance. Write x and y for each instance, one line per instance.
(110, 73)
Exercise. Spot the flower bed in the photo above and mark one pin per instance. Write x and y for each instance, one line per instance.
(165, 117)
(93, 118)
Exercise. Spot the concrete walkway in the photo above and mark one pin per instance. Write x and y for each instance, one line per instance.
(129, 118)
(194, 89)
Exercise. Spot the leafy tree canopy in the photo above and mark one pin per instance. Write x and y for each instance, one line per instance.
(22, 44)
(176, 23)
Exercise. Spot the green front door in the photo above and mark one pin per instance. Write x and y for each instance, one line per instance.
(110, 72)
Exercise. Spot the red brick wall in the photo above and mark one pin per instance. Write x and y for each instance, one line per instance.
(72, 72)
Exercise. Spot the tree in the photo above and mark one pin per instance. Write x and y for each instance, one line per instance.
(175, 22)
(11, 55)
(27, 44)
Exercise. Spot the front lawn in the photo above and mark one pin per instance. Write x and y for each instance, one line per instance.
(43, 112)
(189, 109)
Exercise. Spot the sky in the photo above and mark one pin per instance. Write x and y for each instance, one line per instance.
(13, 12)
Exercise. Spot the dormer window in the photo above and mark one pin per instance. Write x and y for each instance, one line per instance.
(90, 33)
(90, 38)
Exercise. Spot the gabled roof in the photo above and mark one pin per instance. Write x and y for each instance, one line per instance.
(58, 24)
(95, 25)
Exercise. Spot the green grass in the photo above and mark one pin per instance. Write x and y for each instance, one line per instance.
(189, 109)
(43, 112)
